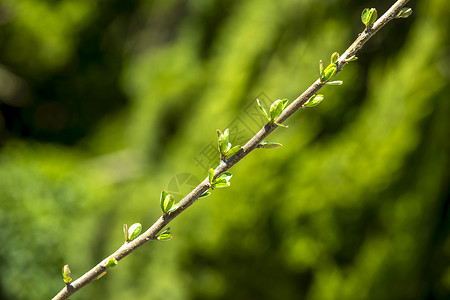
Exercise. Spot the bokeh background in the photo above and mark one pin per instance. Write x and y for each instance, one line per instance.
(106, 103)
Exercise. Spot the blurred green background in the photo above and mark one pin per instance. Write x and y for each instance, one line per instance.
(105, 103)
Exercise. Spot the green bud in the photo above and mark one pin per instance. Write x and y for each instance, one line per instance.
(66, 274)
(276, 109)
(314, 100)
(166, 202)
(233, 151)
(334, 57)
(368, 16)
(174, 208)
(222, 180)
(165, 235)
(352, 58)
(268, 145)
(404, 12)
(224, 141)
(134, 231)
(101, 275)
(329, 72)
(112, 262)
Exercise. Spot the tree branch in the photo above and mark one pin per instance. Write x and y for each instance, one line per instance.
(188, 200)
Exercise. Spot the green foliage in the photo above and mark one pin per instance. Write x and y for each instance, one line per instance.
(275, 110)
(111, 263)
(223, 180)
(269, 145)
(134, 231)
(404, 13)
(165, 235)
(167, 203)
(314, 100)
(369, 16)
(225, 148)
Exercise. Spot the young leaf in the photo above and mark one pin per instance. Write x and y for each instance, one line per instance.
(329, 72)
(268, 145)
(227, 176)
(101, 275)
(276, 109)
(134, 231)
(224, 141)
(334, 57)
(352, 58)
(205, 194)
(337, 82)
(368, 16)
(222, 181)
(233, 151)
(281, 125)
(174, 208)
(66, 274)
(262, 109)
(314, 100)
(211, 176)
(165, 235)
(404, 12)
(112, 262)
(166, 202)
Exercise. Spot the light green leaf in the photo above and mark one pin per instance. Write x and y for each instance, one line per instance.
(223, 180)
(262, 109)
(101, 275)
(174, 208)
(404, 12)
(167, 202)
(221, 183)
(268, 145)
(205, 194)
(329, 72)
(368, 16)
(233, 151)
(334, 57)
(337, 82)
(112, 262)
(275, 110)
(66, 274)
(281, 125)
(224, 141)
(314, 100)
(227, 176)
(165, 235)
(211, 176)
(134, 231)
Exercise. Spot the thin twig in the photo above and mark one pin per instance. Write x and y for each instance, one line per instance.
(187, 201)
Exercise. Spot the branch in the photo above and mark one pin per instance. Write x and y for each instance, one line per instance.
(395, 11)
